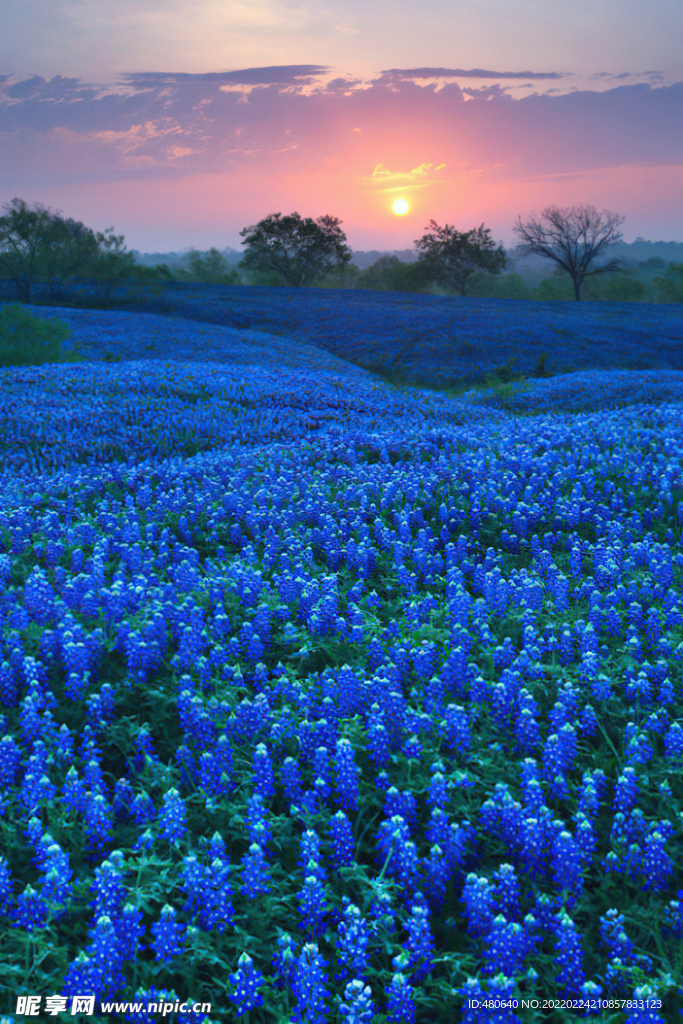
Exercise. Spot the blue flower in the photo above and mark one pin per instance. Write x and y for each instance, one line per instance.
(400, 1001)
(353, 938)
(310, 987)
(357, 1006)
(168, 936)
(246, 982)
(172, 819)
(255, 872)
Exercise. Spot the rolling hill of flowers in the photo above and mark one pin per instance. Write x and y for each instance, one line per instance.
(326, 701)
(443, 340)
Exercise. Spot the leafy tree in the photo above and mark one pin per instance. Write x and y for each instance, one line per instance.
(572, 238)
(39, 245)
(298, 250)
(112, 264)
(392, 274)
(451, 256)
(69, 248)
(210, 267)
(25, 237)
(671, 284)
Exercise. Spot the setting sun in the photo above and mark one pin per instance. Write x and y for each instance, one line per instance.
(400, 207)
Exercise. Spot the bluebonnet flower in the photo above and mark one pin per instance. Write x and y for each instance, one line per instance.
(347, 775)
(168, 936)
(638, 747)
(31, 910)
(310, 987)
(172, 819)
(130, 930)
(311, 857)
(568, 957)
(397, 851)
(104, 953)
(655, 864)
(478, 895)
(437, 795)
(402, 804)
(533, 847)
(10, 757)
(258, 827)
(82, 977)
(6, 897)
(284, 960)
(97, 814)
(246, 982)
(142, 809)
(507, 891)
(673, 741)
(56, 886)
(108, 887)
(567, 864)
(255, 872)
(527, 731)
(357, 1007)
(436, 873)
(341, 836)
(314, 906)
(420, 943)
(263, 772)
(455, 728)
(400, 1001)
(353, 937)
(291, 780)
(626, 791)
(505, 947)
(646, 1015)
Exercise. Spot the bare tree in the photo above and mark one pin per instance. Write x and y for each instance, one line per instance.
(572, 238)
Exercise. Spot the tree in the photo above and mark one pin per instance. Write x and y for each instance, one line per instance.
(25, 236)
(572, 238)
(298, 250)
(39, 245)
(671, 285)
(112, 264)
(210, 267)
(451, 256)
(69, 248)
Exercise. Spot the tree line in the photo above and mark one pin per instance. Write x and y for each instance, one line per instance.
(41, 246)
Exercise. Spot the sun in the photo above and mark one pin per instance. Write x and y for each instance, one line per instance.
(400, 207)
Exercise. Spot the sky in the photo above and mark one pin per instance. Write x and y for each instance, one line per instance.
(180, 122)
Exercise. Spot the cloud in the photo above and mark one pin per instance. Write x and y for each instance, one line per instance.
(384, 180)
(282, 125)
(291, 74)
(472, 73)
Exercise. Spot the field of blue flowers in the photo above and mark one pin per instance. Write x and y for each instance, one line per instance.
(327, 701)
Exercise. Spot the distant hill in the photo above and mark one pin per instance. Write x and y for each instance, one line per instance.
(174, 259)
(365, 259)
(640, 251)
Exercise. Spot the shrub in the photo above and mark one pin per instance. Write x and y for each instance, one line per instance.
(26, 340)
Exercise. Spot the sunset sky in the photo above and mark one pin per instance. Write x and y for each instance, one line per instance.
(179, 122)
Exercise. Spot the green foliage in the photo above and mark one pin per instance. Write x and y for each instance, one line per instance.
(298, 250)
(37, 245)
(671, 284)
(502, 286)
(450, 257)
(389, 273)
(27, 340)
(210, 267)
